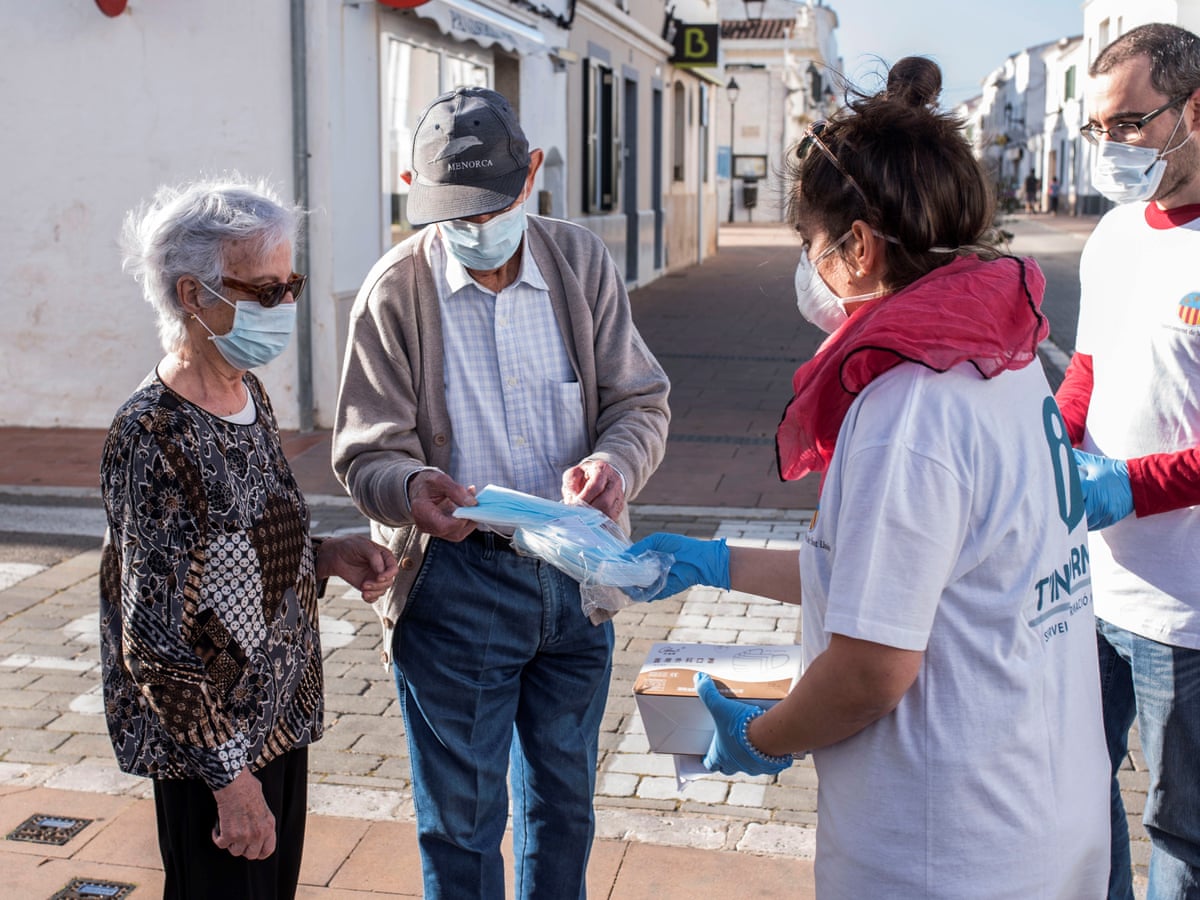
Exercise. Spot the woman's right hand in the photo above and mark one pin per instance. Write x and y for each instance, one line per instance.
(696, 562)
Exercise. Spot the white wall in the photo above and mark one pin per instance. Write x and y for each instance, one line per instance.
(99, 111)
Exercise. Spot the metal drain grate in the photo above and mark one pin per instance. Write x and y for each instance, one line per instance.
(45, 829)
(90, 889)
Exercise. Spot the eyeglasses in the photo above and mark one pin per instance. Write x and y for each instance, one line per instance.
(1125, 132)
(270, 294)
(812, 138)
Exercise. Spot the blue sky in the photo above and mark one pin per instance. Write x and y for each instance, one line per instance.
(967, 38)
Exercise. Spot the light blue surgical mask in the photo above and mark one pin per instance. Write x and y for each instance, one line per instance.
(259, 334)
(484, 246)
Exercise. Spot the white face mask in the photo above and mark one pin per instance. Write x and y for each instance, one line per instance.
(1126, 173)
(815, 299)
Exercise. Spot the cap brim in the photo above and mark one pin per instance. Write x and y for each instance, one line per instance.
(430, 202)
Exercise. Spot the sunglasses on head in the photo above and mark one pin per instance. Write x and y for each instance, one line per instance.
(812, 138)
(270, 294)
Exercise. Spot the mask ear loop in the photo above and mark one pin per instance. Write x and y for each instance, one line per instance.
(1164, 153)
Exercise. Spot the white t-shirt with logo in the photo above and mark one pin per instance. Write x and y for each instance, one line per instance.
(1138, 319)
(951, 522)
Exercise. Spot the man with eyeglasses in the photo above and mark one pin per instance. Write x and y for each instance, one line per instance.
(1130, 403)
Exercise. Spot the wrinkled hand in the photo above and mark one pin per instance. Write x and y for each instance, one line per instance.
(731, 751)
(1107, 495)
(360, 561)
(597, 484)
(696, 562)
(433, 496)
(245, 826)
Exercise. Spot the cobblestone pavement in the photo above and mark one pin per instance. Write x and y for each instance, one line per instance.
(52, 730)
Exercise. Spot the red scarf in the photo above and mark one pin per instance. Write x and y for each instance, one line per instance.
(987, 313)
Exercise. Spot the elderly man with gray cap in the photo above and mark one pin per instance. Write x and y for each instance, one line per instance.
(493, 348)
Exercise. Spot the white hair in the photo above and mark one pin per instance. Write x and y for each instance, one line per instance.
(186, 229)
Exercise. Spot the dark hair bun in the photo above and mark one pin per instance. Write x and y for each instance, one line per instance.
(914, 81)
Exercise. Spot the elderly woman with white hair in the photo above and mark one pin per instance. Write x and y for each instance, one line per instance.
(210, 579)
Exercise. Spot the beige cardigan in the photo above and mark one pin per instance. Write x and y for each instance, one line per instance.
(392, 417)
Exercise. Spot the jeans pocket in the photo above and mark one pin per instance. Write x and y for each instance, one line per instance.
(417, 592)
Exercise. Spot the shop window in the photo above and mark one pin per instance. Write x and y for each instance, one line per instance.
(413, 74)
(601, 138)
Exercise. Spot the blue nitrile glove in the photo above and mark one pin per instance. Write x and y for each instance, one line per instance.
(731, 751)
(696, 562)
(1107, 496)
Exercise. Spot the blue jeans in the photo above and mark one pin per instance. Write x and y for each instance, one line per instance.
(1160, 685)
(497, 666)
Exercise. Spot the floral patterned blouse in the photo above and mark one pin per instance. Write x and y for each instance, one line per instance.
(208, 593)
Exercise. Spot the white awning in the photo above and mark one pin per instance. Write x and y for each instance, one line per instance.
(466, 20)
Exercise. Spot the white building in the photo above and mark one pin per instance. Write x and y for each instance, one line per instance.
(1031, 108)
(785, 66)
(1009, 122)
(320, 96)
(1103, 22)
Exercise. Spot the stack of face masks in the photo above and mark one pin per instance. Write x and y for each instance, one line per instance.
(577, 540)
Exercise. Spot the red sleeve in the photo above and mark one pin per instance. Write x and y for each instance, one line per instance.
(1075, 395)
(1162, 482)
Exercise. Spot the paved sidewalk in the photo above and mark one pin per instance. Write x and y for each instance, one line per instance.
(729, 336)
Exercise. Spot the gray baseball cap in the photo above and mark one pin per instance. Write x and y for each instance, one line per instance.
(470, 157)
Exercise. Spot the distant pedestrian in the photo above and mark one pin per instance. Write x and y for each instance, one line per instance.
(950, 695)
(1053, 196)
(1129, 400)
(209, 580)
(1032, 186)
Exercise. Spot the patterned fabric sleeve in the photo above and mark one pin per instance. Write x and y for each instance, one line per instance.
(208, 611)
(173, 652)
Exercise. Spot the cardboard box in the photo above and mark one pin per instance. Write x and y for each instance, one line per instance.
(675, 719)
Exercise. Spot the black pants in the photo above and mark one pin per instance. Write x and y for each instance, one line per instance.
(197, 869)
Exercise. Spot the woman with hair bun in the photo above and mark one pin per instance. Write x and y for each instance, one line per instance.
(950, 695)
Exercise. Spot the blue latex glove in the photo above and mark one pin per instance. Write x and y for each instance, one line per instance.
(696, 562)
(1107, 496)
(731, 751)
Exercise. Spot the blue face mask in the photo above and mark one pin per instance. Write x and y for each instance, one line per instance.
(258, 334)
(486, 245)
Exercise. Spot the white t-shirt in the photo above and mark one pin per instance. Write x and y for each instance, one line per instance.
(951, 521)
(1140, 296)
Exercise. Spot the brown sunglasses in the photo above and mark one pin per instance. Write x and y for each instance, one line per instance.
(270, 294)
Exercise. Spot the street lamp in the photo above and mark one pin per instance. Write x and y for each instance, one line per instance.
(731, 91)
(754, 9)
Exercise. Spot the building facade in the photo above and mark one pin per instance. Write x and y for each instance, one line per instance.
(321, 97)
(787, 70)
(1031, 107)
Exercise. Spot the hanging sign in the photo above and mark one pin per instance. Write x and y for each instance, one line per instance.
(696, 45)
